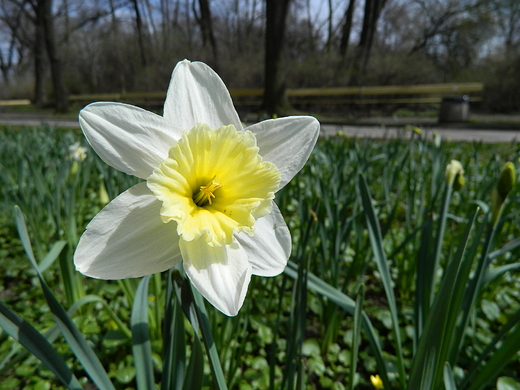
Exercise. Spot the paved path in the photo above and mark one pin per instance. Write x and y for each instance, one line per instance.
(452, 133)
(37, 120)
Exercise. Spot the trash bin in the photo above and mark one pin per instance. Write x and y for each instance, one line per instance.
(454, 109)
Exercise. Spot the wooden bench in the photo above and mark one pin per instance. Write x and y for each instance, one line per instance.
(155, 99)
(370, 95)
(15, 102)
(391, 94)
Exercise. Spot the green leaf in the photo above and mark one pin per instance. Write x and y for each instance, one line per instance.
(432, 264)
(23, 332)
(87, 299)
(195, 371)
(207, 337)
(356, 335)
(174, 345)
(512, 321)
(506, 383)
(490, 309)
(126, 374)
(193, 307)
(436, 338)
(73, 336)
(376, 240)
(449, 380)
(141, 345)
(499, 271)
(349, 305)
(53, 254)
(507, 350)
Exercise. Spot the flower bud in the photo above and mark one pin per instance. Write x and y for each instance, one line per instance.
(506, 180)
(104, 199)
(505, 183)
(454, 175)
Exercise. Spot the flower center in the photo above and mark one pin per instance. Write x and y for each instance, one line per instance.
(203, 197)
(213, 210)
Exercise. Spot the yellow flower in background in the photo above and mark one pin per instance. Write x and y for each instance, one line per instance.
(376, 381)
(415, 129)
(208, 189)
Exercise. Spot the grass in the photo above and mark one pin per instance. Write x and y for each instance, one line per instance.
(364, 215)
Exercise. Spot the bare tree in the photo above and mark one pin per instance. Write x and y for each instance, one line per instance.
(140, 33)
(438, 18)
(44, 14)
(206, 28)
(508, 21)
(275, 101)
(34, 29)
(12, 21)
(39, 61)
(346, 28)
(330, 25)
(371, 14)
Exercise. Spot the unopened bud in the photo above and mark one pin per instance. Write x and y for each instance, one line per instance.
(505, 183)
(506, 180)
(103, 195)
(454, 175)
(459, 182)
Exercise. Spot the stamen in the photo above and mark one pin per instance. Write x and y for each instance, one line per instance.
(206, 192)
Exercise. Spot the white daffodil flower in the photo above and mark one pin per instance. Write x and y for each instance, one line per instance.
(207, 198)
(77, 152)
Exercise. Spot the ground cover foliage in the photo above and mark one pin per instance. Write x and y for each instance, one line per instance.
(371, 220)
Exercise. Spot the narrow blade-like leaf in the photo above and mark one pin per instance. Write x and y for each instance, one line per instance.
(23, 332)
(73, 336)
(141, 345)
(349, 305)
(374, 232)
(174, 345)
(449, 380)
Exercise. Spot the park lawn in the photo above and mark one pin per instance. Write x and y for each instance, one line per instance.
(283, 321)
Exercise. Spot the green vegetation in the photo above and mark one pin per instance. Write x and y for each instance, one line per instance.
(371, 220)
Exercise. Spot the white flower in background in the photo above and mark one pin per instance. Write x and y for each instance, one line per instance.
(77, 152)
(208, 196)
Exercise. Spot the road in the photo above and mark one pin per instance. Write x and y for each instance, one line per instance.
(452, 133)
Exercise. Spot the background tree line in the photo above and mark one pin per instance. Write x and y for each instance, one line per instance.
(51, 48)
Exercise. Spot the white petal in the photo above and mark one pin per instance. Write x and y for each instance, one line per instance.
(197, 94)
(270, 247)
(287, 142)
(221, 274)
(128, 239)
(128, 138)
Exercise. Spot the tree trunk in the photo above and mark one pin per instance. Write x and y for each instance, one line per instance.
(140, 36)
(330, 37)
(275, 101)
(206, 28)
(6, 64)
(347, 27)
(39, 58)
(60, 92)
(373, 9)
